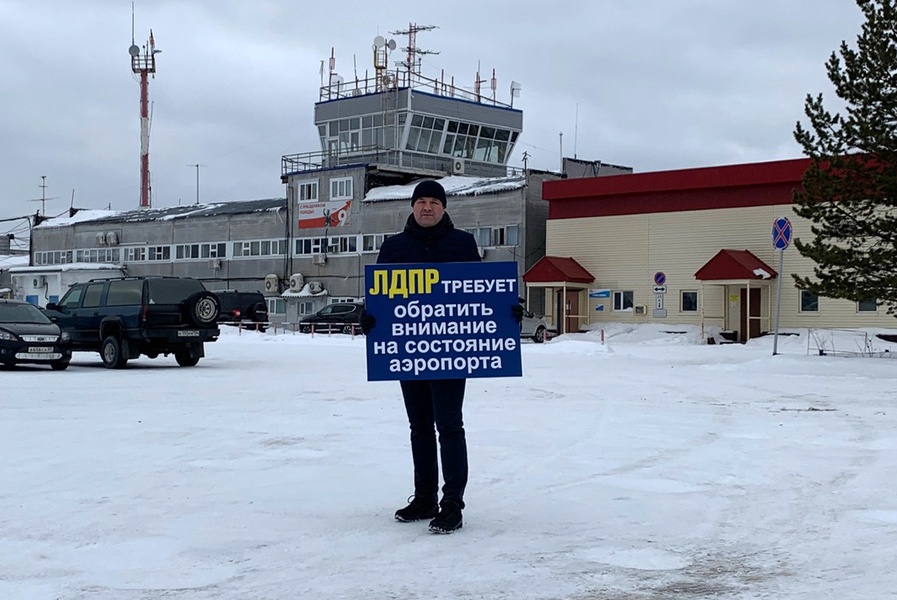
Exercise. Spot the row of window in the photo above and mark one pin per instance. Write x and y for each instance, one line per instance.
(427, 134)
(336, 244)
(341, 188)
(688, 302)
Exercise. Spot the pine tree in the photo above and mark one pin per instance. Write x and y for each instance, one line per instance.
(849, 191)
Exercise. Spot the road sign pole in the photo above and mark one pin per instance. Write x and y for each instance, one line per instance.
(781, 237)
(775, 336)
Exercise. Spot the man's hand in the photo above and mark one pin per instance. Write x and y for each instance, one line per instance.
(367, 322)
(517, 311)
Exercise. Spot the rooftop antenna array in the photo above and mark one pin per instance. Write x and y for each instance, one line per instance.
(143, 62)
(382, 47)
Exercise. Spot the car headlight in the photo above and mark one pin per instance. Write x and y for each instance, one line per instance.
(64, 336)
(5, 335)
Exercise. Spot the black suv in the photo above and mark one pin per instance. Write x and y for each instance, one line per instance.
(247, 309)
(339, 317)
(125, 317)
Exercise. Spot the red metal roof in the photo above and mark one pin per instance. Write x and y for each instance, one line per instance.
(728, 186)
(734, 264)
(557, 268)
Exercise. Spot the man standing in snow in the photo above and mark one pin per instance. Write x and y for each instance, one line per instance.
(430, 237)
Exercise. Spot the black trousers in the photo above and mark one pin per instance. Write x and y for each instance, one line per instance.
(437, 403)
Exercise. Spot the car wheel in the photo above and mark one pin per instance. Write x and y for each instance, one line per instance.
(203, 308)
(258, 312)
(59, 365)
(349, 329)
(185, 359)
(114, 352)
(305, 329)
(539, 336)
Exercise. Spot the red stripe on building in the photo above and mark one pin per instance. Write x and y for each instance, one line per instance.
(705, 188)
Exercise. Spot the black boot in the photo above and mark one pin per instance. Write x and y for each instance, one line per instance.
(448, 519)
(418, 509)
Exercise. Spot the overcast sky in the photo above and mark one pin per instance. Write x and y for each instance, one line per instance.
(653, 85)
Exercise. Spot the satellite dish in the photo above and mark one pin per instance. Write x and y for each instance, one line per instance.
(134, 50)
(379, 41)
(391, 44)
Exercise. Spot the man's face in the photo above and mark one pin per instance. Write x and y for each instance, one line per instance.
(427, 211)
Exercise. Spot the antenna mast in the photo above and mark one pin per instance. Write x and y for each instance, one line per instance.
(412, 63)
(143, 62)
(43, 196)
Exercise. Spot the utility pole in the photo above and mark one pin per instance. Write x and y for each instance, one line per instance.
(197, 166)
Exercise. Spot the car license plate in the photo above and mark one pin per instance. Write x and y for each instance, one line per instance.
(38, 356)
(188, 333)
(39, 349)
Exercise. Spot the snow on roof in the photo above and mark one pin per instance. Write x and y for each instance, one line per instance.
(8, 262)
(168, 213)
(79, 217)
(67, 267)
(454, 186)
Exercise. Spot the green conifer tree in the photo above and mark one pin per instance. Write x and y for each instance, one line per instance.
(849, 192)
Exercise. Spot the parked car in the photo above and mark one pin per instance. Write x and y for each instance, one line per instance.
(122, 318)
(535, 328)
(247, 309)
(339, 317)
(27, 335)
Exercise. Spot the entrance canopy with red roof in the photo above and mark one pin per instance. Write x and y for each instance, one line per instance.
(734, 265)
(557, 269)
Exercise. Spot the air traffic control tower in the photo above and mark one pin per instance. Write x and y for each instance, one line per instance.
(405, 125)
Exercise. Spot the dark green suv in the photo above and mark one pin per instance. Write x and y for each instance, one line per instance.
(125, 317)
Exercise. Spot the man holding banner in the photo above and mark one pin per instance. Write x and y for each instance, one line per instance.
(419, 329)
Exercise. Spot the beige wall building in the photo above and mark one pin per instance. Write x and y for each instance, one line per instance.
(689, 246)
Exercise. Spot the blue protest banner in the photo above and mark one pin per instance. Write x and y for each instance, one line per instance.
(442, 321)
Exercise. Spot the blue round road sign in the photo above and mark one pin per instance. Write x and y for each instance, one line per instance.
(660, 278)
(781, 233)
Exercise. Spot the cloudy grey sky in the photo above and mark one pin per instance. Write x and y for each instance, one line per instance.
(655, 84)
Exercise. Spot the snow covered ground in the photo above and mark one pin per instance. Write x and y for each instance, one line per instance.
(651, 467)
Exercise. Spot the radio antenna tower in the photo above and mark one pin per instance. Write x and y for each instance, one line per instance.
(143, 62)
(412, 63)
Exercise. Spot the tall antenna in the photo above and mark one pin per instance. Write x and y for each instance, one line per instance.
(43, 196)
(143, 62)
(197, 166)
(412, 63)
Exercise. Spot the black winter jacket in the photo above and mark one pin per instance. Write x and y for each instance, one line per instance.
(437, 244)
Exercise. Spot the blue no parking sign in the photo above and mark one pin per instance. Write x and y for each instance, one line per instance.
(781, 233)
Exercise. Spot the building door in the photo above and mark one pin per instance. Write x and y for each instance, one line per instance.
(572, 310)
(565, 306)
(754, 322)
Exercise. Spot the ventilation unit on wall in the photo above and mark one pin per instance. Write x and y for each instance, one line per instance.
(315, 287)
(458, 166)
(101, 239)
(112, 238)
(297, 282)
(319, 259)
(639, 309)
(214, 263)
(39, 281)
(272, 283)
